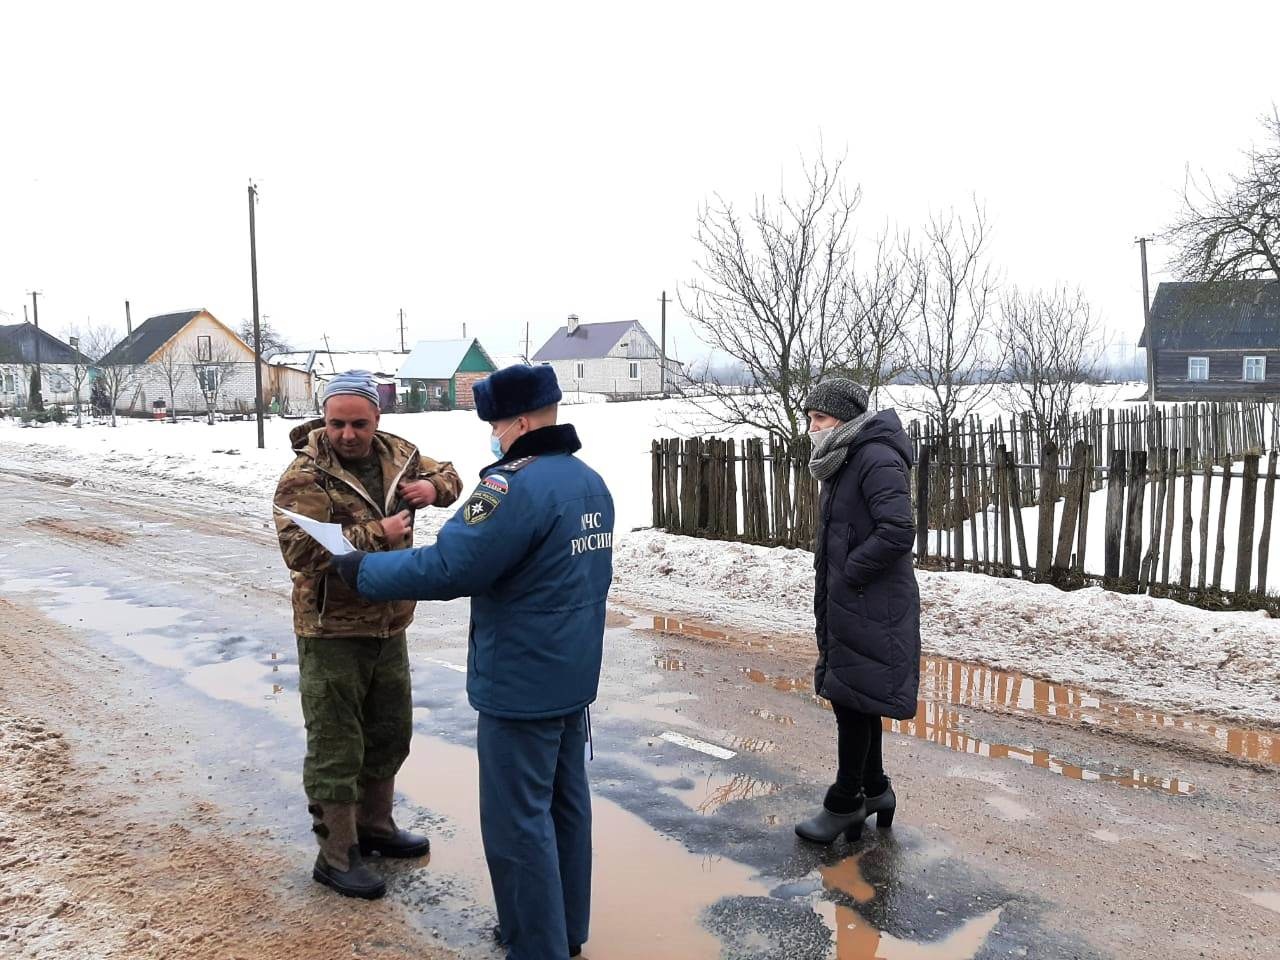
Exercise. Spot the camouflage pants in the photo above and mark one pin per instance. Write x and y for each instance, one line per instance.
(358, 706)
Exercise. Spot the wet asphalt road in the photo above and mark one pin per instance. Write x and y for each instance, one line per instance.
(705, 753)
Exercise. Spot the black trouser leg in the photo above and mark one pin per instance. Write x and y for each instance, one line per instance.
(859, 751)
(874, 782)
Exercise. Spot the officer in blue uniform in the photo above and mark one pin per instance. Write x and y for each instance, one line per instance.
(533, 548)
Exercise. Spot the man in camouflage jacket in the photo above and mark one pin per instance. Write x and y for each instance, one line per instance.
(352, 657)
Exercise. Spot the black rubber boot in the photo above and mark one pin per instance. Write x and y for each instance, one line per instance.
(842, 813)
(376, 829)
(339, 865)
(883, 805)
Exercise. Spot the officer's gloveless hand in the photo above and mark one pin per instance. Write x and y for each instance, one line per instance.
(347, 567)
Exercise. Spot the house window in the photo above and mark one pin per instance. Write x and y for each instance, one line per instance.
(580, 370)
(1255, 369)
(439, 390)
(204, 349)
(209, 377)
(1197, 368)
(634, 370)
(8, 383)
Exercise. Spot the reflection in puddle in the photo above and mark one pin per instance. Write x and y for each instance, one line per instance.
(964, 684)
(939, 724)
(856, 939)
(685, 628)
(719, 790)
(973, 685)
(673, 664)
(648, 891)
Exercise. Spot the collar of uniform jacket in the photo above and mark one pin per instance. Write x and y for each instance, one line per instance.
(545, 441)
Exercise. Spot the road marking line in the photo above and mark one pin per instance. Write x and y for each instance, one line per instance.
(447, 665)
(710, 749)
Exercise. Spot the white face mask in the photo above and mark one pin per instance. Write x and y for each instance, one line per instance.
(495, 441)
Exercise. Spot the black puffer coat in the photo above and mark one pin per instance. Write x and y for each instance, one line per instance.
(866, 601)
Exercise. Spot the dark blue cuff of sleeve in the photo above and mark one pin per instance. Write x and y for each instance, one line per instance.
(347, 567)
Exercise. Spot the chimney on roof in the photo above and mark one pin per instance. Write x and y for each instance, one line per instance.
(128, 328)
(573, 324)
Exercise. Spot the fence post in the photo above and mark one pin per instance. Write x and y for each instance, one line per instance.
(1044, 529)
(1070, 509)
(1133, 518)
(731, 490)
(1170, 485)
(1248, 517)
(659, 515)
(1268, 502)
(1219, 553)
(1013, 502)
(922, 503)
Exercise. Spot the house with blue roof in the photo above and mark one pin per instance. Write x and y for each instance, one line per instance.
(619, 359)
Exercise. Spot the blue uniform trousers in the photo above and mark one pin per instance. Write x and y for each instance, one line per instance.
(535, 817)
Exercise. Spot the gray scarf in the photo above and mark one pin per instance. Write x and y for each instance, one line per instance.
(832, 450)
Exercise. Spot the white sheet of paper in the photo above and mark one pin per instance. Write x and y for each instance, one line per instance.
(328, 535)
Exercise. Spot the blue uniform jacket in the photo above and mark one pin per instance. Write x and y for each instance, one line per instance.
(533, 548)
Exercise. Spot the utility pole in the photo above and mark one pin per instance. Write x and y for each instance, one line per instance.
(464, 331)
(1147, 331)
(663, 374)
(257, 327)
(526, 352)
(36, 401)
(402, 350)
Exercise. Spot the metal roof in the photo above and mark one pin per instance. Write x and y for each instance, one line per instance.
(590, 341)
(436, 359)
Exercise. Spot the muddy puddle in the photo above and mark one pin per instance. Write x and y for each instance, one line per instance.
(960, 684)
(943, 725)
(653, 896)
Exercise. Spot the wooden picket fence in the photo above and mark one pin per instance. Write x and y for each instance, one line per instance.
(970, 516)
(757, 491)
(972, 483)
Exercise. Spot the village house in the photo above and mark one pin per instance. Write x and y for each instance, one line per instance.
(323, 364)
(192, 361)
(1216, 341)
(619, 359)
(440, 374)
(60, 366)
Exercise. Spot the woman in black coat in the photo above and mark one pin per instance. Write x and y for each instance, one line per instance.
(866, 602)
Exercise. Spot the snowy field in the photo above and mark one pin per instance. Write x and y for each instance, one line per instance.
(1148, 651)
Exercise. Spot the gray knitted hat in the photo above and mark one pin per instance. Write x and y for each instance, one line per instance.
(356, 383)
(838, 397)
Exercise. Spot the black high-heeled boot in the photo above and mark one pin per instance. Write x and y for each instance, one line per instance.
(883, 805)
(842, 813)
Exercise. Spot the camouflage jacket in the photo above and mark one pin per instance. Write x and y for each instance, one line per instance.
(316, 485)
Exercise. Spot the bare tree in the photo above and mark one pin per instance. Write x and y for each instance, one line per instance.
(1053, 352)
(954, 350)
(774, 294)
(173, 367)
(1232, 232)
(883, 299)
(81, 364)
(272, 341)
(212, 367)
(116, 376)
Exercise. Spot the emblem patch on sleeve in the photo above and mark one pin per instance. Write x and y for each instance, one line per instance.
(480, 507)
(497, 483)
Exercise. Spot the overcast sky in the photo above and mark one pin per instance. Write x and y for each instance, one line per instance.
(501, 164)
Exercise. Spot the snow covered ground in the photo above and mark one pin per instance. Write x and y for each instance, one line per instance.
(1152, 652)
